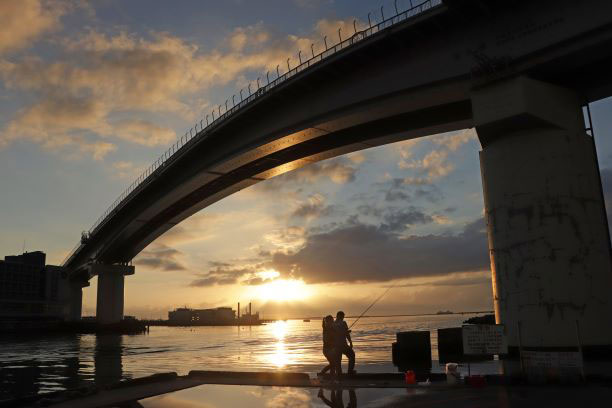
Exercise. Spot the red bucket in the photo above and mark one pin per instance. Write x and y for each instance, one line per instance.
(476, 381)
(410, 377)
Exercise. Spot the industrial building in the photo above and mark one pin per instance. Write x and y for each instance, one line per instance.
(217, 316)
(221, 315)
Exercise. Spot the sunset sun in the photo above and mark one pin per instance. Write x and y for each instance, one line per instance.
(282, 290)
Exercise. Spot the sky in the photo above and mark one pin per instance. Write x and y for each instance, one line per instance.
(92, 92)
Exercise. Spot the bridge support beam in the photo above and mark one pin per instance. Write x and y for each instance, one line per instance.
(548, 236)
(109, 308)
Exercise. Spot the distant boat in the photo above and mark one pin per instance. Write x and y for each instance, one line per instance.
(444, 312)
(306, 320)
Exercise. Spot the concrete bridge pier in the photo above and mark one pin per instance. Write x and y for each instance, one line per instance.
(75, 300)
(111, 278)
(547, 230)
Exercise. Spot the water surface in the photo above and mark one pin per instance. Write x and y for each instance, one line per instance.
(31, 365)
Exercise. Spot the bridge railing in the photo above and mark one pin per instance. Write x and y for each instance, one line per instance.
(222, 112)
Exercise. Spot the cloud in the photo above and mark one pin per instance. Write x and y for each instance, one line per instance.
(76, 92)
(244, 273)
(290, 397)
(340, 170)
(336, 170)
(430, 193)
(435, 164)
(396, 195)
(126, 169)
(312, 3)
(160, 257)
(452, 280)
(399, 220)
(286, 239)
(364, 253)
(24, 21)
(356, 157)
(407, 189)
(143, 132)
(251, 36)
(394, 220)
(454, 140)
(441, 219)
(314, 207)
(58, 121)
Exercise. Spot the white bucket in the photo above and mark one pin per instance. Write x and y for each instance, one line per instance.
(452, 373)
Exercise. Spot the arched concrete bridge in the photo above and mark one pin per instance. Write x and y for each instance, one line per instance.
(518, 71)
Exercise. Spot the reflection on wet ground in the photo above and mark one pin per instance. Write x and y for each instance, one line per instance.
(213, 396)
(37, 365)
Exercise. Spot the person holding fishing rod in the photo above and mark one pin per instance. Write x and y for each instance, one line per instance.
(343, 333)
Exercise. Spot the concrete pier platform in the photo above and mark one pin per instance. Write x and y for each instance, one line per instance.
(390, 389)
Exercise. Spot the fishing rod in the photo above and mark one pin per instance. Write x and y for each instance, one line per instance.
(372, 304)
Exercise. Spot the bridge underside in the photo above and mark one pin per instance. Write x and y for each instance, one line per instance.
(412, 80)
(517, 71)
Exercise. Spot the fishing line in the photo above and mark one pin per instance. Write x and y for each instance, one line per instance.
(372, 304)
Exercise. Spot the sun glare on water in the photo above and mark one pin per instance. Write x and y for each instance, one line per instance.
(282, 290)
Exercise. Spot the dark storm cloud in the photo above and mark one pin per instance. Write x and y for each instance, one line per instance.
(161, 257)
(364, 253)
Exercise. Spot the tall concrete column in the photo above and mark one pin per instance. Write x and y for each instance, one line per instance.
(75, 301)
(70, 294)
(548, 239)
(111, 279)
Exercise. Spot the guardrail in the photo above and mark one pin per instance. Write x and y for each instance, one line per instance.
(224, 112)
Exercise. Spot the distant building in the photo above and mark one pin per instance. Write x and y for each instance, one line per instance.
(180, 316)
(31, 289)
(220, 315)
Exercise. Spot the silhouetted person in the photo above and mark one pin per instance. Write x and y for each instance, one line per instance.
(330, 351)
(342, 335)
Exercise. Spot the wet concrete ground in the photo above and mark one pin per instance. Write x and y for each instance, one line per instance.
(213, 396)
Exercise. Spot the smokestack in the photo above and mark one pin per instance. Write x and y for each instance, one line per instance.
(250, 308)
(239, 310)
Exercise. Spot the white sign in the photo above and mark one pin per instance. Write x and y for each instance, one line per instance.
(547, 360)
(484, 339)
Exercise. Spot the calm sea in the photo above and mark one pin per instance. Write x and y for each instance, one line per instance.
(31, 365)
